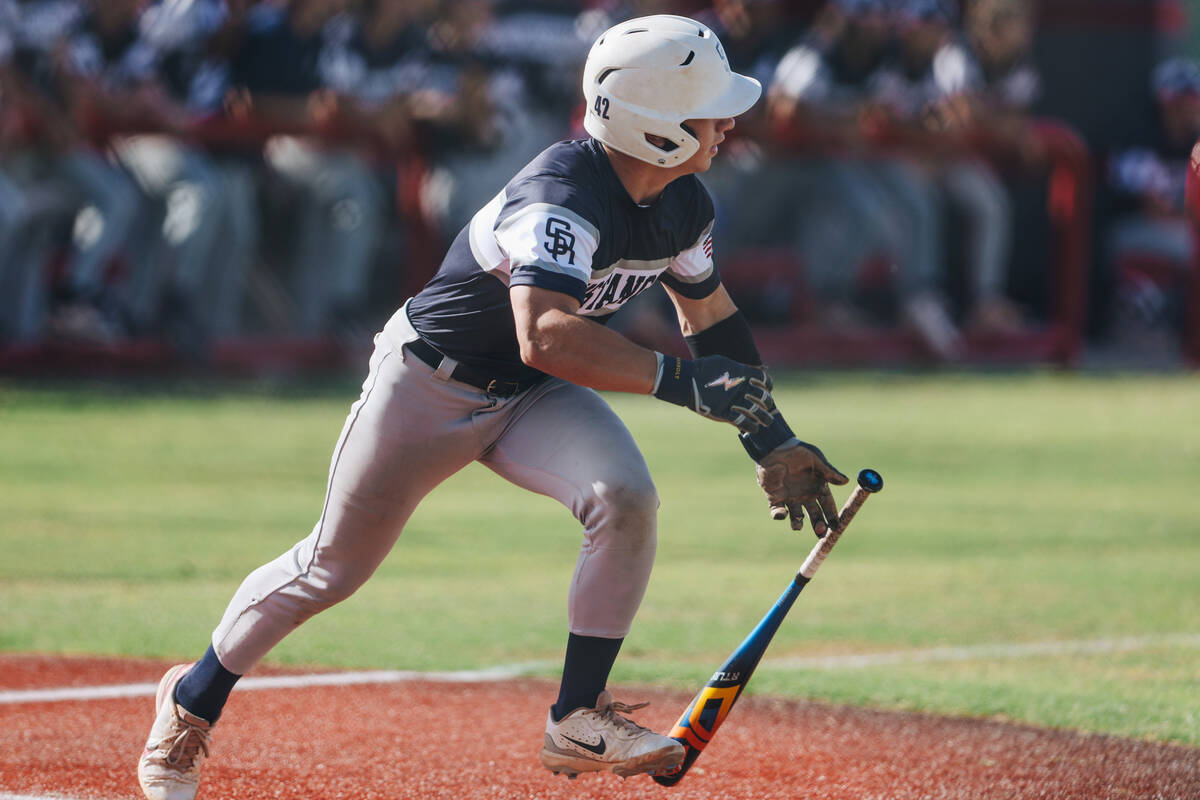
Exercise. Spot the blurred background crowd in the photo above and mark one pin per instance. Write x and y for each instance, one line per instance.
(198, 172)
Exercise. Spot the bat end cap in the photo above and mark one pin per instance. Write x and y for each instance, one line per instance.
(870, 480)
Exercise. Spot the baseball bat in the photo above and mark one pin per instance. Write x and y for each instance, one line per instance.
(709, 708)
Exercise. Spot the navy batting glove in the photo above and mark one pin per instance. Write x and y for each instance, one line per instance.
(718, 388)
(760, 443)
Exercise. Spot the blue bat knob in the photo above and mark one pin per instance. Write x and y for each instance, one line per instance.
(870, 480)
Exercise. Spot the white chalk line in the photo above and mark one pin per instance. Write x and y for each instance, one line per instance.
(981, 652)
(8, 796)
(500, 673)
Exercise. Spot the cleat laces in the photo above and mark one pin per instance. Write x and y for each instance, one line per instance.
(613, 714)
(189, 743)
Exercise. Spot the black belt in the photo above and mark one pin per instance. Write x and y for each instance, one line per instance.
(469, 375)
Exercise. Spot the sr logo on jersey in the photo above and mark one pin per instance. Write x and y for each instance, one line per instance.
(561, 241)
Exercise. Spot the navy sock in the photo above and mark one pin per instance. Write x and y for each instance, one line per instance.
(206, 687)
(585, 672)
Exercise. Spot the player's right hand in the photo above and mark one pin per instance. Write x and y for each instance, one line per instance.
(796, 477)
(718, 388)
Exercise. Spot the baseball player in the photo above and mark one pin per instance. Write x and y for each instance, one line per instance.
(496, 360)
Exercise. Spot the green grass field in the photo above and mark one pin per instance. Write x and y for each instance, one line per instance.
(1019, 509)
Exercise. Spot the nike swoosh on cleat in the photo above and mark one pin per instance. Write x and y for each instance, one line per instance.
(598, 749)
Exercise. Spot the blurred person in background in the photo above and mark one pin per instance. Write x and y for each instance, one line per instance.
(68, 58)
(1150, 246)
(755, 34)
(598, 15)
(379, 65)
(487, 116)
(200, 234)
(1003, 82)
(106, 75)
(926, 91)
(861, 200)
(275, 75)
(543, 39)
(769, 215)
(25, 207)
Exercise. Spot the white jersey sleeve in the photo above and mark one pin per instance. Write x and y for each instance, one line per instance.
(543, 244)
(694, 265)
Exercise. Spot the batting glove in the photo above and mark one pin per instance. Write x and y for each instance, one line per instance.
(795, 477)
(718, 388)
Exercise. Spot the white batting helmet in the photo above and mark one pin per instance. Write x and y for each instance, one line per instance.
(648, 75)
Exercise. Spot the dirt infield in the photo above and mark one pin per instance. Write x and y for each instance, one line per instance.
(426, 739)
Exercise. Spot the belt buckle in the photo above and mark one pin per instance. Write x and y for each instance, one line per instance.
(498, 388)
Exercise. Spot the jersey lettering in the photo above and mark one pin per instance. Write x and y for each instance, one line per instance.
(610, 290)
(590, 294)
(613, 291)
(561, 241)
(633, 286)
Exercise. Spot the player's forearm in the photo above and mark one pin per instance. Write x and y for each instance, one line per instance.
(588, 354)
(695, 316)
(729, 336)
(713, 326)
(555, 340)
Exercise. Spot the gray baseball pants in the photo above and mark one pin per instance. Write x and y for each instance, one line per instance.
(412, 428)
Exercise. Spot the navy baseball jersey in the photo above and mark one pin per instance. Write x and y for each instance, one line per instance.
(564, 223)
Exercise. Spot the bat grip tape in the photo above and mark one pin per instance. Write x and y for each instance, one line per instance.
(821, 549)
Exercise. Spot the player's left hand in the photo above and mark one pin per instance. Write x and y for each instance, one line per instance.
(796, 477)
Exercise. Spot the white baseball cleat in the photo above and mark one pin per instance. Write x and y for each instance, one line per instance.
(598, 739)
(169, 768)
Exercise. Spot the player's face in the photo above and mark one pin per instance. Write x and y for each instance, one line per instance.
(1006, 39)
(710, 133)
(922, 38)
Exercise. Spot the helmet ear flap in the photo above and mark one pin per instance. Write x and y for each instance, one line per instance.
(670, 147)
(662, 143)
